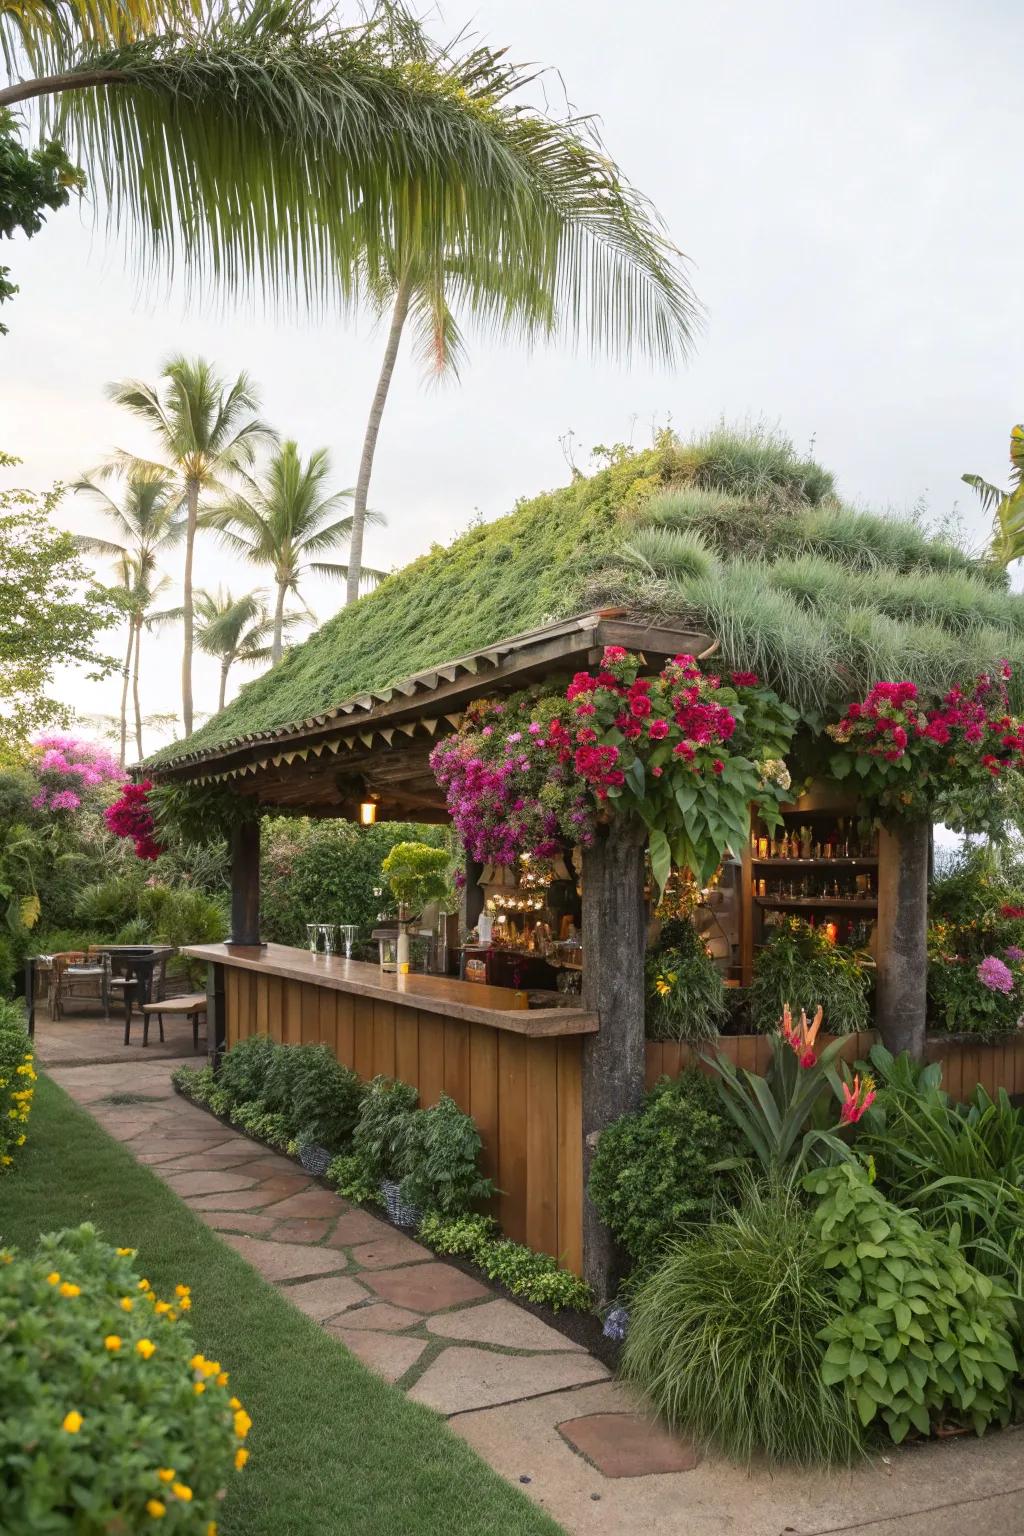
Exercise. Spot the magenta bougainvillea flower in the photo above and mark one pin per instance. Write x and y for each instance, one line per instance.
(67, 767)
(992, 973)
(131, 816)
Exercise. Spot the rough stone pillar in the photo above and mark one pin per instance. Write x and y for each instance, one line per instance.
(902, 956)
(614, 938)
(245, 883)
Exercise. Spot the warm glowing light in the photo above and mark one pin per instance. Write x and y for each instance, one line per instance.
(367, 813)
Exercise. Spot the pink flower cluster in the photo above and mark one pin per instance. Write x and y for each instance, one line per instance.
(131, 817)
(992, 973)
(66, 768)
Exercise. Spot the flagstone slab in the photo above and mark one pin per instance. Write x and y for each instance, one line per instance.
(284, 1185)
(382, 1317)
(389, 1251)
(285, 1261)
(386, 1354)
(250, 1223)
(356, 1226)
(214, 1181)
(627, 1445)
(462, 1378)
(426, 1287)
(233, 1200)
(210, 1159)
(303, 1229)
(502, 1323)
(308, 1202)
(325, 1298)
(270, 1167)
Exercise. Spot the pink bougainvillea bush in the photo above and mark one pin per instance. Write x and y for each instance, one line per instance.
(131, 816)
(943, 760)
(684, 752)
(68, 768)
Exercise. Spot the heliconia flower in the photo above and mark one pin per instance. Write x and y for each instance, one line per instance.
(857, 1099)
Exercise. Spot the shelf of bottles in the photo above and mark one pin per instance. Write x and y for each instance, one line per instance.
(821, 867)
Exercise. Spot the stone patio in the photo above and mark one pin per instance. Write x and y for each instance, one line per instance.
(539, 1408)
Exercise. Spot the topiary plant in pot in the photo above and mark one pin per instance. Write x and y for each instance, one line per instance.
(416, 874)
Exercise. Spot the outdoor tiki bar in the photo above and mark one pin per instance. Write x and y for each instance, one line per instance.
(527, 1006)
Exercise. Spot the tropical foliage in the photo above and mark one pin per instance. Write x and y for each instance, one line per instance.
(1007, 506)
(798, 967)
(685, 997)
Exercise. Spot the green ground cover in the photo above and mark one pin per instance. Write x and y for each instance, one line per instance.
(333, 1448)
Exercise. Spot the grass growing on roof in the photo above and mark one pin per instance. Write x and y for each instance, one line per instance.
(333, 1447)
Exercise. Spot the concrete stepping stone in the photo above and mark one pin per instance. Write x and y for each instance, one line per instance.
(355, 1226)
(462, 1379)
(284, 1261)
(426, 1287)
(387, 1354)
(308, 1201)
(503, 1323)
(208, 1182)
(303, 1229)
(626, 1445)
(382, 1317)
(325, 1298)
(389, 1251)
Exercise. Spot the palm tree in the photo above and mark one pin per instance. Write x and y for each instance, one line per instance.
(235, 629)
(285, 519)
(1008, 506)
(147, 519)
(208, 433)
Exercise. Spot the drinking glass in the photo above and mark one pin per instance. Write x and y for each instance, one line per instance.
(326, 938)
(311, 936)
(348, 933)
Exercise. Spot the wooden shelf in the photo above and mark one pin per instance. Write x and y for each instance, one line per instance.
(869, 861)
(848, 903)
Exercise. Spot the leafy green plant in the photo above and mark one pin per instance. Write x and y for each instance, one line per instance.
(537, 1277)
(417, 874)
(325, 1098)
(653, 1171)
(17, 1082)
(382, 1129)
(107, 1431)
(923, 1339)
(971, 995)
(799, 967)
(195, 1083)
(441, 1155)
(724, 1337)
(244, 1069)
(346, 1173)
(685, 994)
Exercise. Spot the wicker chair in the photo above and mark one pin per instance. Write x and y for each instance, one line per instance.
(79, 978)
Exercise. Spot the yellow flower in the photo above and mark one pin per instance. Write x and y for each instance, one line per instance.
(53, 1278)
(234, 1403)
(222, 1379)
(197, 1362)
(185, 1303)
(6, 1258)
(143, 1285)
(72, 1422)
(166, 1474)
(182, 1491)
(241, 1457)
(211, 1367)
(21, 1141)
(182, 1290)
(67, 1289)
(112, 1342)
(6, 1161)
(162, 1307)
(126, 1253)
(211, 1529)
(145, 1348)
(199, 1387)
(243, 1423)
(126, 1303)
(155, 1508)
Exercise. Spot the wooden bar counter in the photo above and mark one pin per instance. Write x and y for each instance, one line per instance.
(517, 1071)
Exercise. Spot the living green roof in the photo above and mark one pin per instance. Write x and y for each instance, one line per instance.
(733, 534)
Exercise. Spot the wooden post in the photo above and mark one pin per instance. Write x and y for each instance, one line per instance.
(216, 1017)
(902, 957)
(614, 939)
(245, 883)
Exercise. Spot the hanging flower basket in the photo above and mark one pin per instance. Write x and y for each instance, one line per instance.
(399, 1211)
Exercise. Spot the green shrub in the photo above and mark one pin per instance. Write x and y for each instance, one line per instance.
(537, 1277)
(441, 1156)
(243, 1070)
(17, 1080)
(959, 1002)
(800, 967)
(195, 1083)
(685, 996)
(107, 905)
(325, 1098)
(284, 1069)
(102, 1429)
(257, 1120)
(382, 1129)
(724, 1337)
(922, 1338)
(652, 1172)
(347, 1175)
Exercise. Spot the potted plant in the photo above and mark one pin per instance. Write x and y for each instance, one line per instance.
(380, 1141)
(416, 874)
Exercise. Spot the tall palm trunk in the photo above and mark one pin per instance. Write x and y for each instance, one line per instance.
(192, 494)
(123, 750)
(135, 687)
(355, 548)
(225, 664)
(277, 644)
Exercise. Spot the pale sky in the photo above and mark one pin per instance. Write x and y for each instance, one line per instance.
(844, 179)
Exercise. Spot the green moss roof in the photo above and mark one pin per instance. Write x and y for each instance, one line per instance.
(820, 599)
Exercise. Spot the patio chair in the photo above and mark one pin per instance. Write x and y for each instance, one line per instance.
(124, 979)
(79, 978)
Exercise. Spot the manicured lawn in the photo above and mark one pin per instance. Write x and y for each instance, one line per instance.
(334, 1450)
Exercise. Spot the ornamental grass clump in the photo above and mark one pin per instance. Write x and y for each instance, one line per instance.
(685, 996)
(111, 1422)
(724, 1337)
(17, 1083)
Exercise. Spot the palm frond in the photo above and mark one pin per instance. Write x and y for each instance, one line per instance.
(368, 577)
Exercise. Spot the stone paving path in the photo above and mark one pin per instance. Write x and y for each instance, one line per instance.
(540, 1409)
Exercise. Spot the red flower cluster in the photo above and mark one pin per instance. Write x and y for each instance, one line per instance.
(890, 719)
(131, 817)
